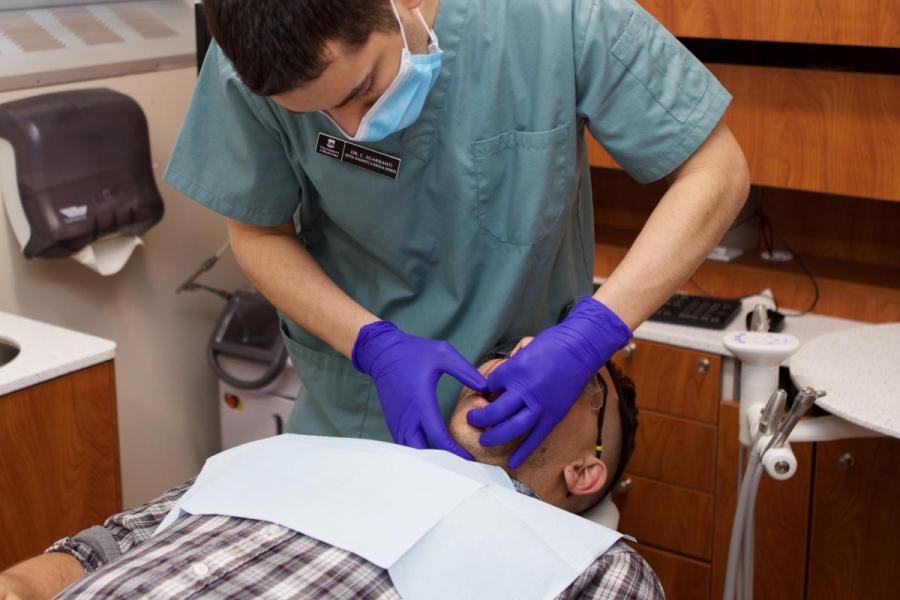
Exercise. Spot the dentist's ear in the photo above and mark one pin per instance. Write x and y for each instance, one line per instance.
(585, 476)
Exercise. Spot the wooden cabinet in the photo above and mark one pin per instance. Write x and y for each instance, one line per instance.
(831, 531)
(666, 516)
(59, 461)
(822, 142)
(819, 131)
(663, 442)
(682, 577)
(855, 526)
(696, 394)
(667, 497)
(846, 22)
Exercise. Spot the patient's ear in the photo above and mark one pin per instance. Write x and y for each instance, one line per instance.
(585, 476)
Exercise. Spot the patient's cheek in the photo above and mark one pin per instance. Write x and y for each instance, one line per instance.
(464, 434)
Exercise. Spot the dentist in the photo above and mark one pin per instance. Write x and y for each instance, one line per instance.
(407, 181)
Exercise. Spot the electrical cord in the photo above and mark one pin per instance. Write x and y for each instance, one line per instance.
(703, 292)
(815, 283)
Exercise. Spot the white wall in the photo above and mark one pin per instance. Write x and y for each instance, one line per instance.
(166, 393)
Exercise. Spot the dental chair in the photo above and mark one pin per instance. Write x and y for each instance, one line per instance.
(605, 513)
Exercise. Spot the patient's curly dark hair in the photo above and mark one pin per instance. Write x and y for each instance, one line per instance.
(628, 418)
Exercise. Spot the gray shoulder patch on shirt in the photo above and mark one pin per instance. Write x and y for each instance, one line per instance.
(102, 542)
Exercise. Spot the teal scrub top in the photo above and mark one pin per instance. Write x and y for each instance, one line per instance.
(487, 233)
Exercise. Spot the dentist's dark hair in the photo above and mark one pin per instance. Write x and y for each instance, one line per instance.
(279, 45)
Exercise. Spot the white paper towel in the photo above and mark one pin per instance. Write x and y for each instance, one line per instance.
(109, 255)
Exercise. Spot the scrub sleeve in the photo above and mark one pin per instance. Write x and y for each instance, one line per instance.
(647, 100)
(229, 156)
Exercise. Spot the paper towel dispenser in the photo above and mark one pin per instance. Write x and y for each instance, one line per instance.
(75, 168)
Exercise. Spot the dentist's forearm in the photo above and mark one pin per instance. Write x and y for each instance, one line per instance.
(285, 273)
(705, 196)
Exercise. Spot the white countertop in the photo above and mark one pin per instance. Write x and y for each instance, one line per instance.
(805, 328)
(858, 371)
(46, 351)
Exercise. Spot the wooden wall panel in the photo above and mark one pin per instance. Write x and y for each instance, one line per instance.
(59, 461)
(831, 132)
(846, 22)
(818, 131)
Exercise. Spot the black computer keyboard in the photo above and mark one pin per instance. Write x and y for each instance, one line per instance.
(698, 311)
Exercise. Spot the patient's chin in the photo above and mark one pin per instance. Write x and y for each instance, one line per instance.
(469, 437)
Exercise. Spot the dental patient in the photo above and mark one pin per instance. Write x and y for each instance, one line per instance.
(216, 556)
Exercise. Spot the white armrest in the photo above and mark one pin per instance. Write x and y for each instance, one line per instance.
(605, 513)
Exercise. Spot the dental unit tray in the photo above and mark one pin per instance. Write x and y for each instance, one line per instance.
(249, 328)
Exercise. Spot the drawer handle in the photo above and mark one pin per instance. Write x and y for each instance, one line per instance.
(629, 350)
(703, 366)
(624, 486)
(846, 462)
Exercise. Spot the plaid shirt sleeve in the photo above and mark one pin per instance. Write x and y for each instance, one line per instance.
(124, 530)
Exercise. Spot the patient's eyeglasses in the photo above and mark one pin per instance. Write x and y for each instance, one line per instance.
(598, 400)
(601, 411)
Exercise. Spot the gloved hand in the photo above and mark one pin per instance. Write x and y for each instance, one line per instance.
(406, 370)
(541, 381)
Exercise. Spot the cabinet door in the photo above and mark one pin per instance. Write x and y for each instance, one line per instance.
(855, 537)
(666, 516)
(59, 461)
(672, 380)
(850, 22)
(682, 578)
(677, 451)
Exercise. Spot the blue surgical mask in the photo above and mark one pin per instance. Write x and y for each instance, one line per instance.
(401, 104)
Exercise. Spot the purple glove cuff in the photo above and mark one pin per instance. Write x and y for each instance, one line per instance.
(608, 333)
(363, 355)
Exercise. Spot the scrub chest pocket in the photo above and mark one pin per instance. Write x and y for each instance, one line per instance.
(523, 181)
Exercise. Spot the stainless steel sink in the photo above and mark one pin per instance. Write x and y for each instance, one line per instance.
(8, 351)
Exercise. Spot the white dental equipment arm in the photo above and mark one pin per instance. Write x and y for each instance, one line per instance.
(765, 434)
(761, 355)
(770, 452)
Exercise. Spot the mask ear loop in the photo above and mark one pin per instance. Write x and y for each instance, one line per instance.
(400, 22)
(431, 32)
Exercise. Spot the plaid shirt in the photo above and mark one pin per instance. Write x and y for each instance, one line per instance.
(228, 557)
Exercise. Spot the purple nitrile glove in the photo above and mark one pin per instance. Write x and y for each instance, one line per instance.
(406, 370)
(541, 381)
